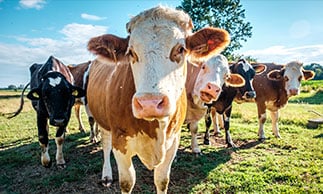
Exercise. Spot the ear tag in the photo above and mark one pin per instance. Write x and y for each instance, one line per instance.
(75, 93)
(35, 95)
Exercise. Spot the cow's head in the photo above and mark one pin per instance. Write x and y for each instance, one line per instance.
(213, 74)
(247, 71)
(56, 95)
(291, 75)
(159, 45)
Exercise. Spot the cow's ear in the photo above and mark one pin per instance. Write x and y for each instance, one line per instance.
(109, 46)
(308, 74)
(77, 92)
(259, 68)
(276, 75)
(34, 94)
(235, 80)
(207, 42)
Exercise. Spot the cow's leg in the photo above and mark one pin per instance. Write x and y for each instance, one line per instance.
(274, 121)
(194, 144)
(107, 147)
(77, 108)
(94, 132)
(126, 171)
(43, 140)
(217, 120)
(261, 120)
(208, 123)
(228, 139)
(162, 171)
(59, 140)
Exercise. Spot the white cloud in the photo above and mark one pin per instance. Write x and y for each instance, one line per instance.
(71, 49)
(281, 54)
(92, 17)
(81, 32)
(32, 4)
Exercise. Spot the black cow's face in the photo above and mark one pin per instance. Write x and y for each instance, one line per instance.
(57, 96)
(248, 72)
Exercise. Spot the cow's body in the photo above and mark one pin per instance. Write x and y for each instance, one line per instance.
(136, 90)
(273, 90)
(53, 96)
(223, 105)
(79, 73)
(203, 85)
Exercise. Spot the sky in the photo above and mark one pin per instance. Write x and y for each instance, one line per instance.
(33, 30)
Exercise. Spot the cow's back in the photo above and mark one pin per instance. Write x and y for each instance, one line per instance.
(78, 73)
(267, 90)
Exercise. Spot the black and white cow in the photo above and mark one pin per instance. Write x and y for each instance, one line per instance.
(53, 95)
(223, 105)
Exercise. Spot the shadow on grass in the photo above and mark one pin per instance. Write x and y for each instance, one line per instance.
(21, 171)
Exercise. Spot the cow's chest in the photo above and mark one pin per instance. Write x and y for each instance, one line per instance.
(150, 150)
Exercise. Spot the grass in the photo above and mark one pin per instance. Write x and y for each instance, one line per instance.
(292, 164)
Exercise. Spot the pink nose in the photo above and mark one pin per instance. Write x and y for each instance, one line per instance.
(293, 91)
(150, 106)
(210, 93)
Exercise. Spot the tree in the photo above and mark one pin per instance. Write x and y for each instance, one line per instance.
(317, 68)
(226, 14)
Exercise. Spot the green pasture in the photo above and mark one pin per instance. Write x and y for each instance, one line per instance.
(292, 164)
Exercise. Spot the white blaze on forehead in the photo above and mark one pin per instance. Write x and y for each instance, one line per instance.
(246, 66)
(54, 81)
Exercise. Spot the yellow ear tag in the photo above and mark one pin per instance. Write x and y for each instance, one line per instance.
(35, 95)
(75, 93)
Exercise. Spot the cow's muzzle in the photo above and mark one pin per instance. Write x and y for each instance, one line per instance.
(210, 92)
(150, 106)
(249, 95)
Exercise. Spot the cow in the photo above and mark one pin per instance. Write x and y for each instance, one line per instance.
(52, 95)
(136, 90)
(223, 105)
(79, 73)
(203, 86)
(274, 87)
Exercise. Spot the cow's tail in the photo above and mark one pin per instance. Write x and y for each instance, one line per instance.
(13, 114)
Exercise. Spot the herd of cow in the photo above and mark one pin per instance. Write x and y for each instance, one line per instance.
(141, 89)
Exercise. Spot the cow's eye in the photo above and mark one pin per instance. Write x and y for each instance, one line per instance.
(177, 53)
(286, 78)
(133, 56)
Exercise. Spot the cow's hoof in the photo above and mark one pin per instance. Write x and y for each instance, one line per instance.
(48, 164)
(61, 166)
(106, 182)
(262, 139)
(206, 142)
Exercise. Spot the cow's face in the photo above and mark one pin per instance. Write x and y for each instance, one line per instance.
(291, 75)
(56, 95)
(159, 43)
(212, 75)
(247, 71)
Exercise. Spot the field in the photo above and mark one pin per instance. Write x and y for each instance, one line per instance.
(292, 164)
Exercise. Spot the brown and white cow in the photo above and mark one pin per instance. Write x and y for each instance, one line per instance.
(136, 90)
(203, 86)
(79, 73)
(273, 90)
(222, 107)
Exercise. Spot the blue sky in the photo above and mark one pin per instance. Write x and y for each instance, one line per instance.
(32, 30)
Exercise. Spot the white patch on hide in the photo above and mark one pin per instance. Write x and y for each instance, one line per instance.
(54, 81)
